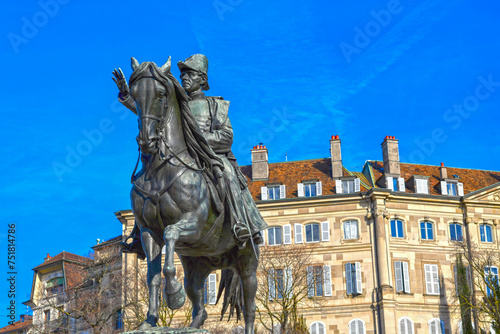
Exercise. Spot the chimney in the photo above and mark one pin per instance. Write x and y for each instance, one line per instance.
(260, 164)
(48, 257)
(336, 157)
(390, 152)
(443, 173)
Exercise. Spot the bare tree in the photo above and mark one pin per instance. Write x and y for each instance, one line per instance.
(483, 298)
(288, 280)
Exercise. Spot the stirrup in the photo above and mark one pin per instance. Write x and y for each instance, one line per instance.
(241, 232)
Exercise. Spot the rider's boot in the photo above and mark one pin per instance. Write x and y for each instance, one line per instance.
(241, 234)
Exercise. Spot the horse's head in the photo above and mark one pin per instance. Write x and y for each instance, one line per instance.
(152, 90)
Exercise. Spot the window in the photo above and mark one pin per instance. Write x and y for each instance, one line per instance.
(312, 233)
(46, 315)
(397, 228)
(317, 328)
(350, 229)
(426, 230)
(348, 186)
(357, 326)
(395, 183)
(309, 189)
(274, 236)
(273, 192)
(421, 186)
(54, 286)
(485, 232)
(405, 326)
(319, 281)
(279, 282)
(436, 326)
(452, 188)
(491, 279)
(209, 293)
(118, 320)
(353, 278)
(456, 232)
(431, 279)
(402, 274)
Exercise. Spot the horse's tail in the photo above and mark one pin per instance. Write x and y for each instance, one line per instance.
(231, 282)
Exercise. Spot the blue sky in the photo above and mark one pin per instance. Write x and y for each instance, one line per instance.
(296, 72)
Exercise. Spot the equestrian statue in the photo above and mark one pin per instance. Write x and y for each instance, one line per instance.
(190, 194)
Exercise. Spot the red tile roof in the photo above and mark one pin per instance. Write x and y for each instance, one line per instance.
(63, 256)
(18, 325)
(293, 172)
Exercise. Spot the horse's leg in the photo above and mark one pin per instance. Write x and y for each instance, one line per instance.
(196, 270)
(153, 254)
(247, 269)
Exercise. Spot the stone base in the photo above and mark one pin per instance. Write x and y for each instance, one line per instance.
(168, 330)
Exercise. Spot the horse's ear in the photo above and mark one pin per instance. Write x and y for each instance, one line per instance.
(135, 64)
(167, 65)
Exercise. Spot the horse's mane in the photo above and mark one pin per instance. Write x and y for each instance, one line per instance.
(196, 143)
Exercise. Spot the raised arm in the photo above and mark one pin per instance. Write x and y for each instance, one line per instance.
(123, 95)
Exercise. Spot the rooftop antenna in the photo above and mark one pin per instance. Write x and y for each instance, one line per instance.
(286, 157)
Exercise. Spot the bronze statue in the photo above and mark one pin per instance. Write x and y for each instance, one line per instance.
(190, 194)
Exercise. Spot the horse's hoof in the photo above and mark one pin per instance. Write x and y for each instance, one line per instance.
(150, 322)
(199, 320)
(176, 299)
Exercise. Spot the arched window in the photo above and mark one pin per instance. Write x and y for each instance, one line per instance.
(317, 328)
(312, 233)
(405, 326)
(397, 228)
(351, 229)
(274, 236)
(456, 232)
(436, 326)
(357, 326)
(427, 230)
(485, 232)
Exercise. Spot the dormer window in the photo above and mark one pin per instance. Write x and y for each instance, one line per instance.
(395, 183)
(273, 192)
(421, 184)
(347, 185)
(309, 189)
(451, 187)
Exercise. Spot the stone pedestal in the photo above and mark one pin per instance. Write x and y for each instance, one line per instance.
(168, 330)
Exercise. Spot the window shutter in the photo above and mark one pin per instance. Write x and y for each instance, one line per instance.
(298, 233)
(357, 186)
(271, 283)
(288, 278)
(211, 289)
(435, 276)
(282, 191)
(406, 277)
(460, 187)
(310, 282)
(433, 327)
(402, 326)
(327, 280)
(338, 186)
(352, 328)
(428, 278)
(325, 231)
(319, 188)
(300, 189)
(263, 193)
(425, 187)
(401, 184)
(287, 234)
(444, 189)
(354, 230)
(347, 230)
(359, 288)
(399, 276)
(348, 278)
(390, 185)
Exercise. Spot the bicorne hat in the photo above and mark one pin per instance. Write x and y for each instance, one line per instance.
(197, 62)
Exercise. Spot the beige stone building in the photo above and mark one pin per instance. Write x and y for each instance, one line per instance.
(383, 239)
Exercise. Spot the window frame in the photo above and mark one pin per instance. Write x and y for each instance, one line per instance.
(397, 228)
(441, 329)
(319, 232)
(320, 330)
(434, 280)
(455, 232)
(487, 278)
(350, 221)
(485, 234)
(406, 325)
(356, 329)
(403, 267)
(269, 239)
(354, 281)
(427, 230)
(274, 191)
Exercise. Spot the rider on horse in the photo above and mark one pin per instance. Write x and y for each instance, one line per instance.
(211, 114)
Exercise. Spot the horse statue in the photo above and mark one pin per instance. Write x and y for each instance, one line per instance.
(176, 203)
